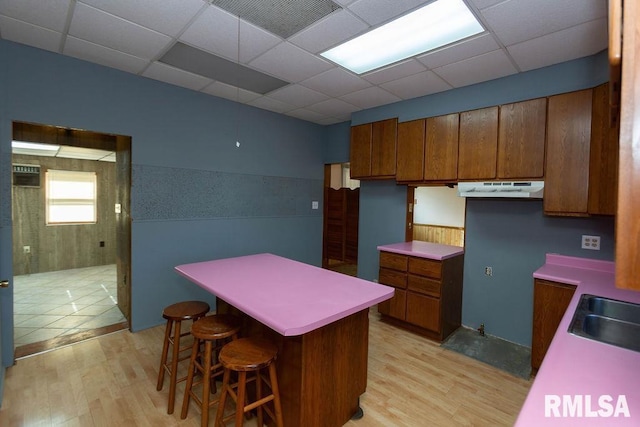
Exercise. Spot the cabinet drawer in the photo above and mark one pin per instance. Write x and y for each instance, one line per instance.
(425, 267)
(392, 278)
(423, 311)
(393, 261)
(424, 285)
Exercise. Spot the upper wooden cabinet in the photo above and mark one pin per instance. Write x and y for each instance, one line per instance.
(603, 163)
(411, 136)
(373, 150)
(521, 139)
(478, 144)
(566, 189)
(441, 148)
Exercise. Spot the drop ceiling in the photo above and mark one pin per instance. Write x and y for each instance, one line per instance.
(137, 36)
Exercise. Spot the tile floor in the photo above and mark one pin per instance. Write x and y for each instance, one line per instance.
(48, 305)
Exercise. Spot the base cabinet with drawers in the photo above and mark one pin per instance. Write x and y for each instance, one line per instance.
(428, 293)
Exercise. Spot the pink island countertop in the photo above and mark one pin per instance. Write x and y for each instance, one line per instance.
(290, 297)
(604, 378)
(423, 249)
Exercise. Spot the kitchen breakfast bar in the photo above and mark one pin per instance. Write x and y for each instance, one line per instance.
(317, 318)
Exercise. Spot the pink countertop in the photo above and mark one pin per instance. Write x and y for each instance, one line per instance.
(423, 249)
(290, 297)
(579, 367)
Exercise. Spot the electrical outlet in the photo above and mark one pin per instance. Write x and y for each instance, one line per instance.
(591, 242)
(26, 249)
(488, 271)
(314, 205)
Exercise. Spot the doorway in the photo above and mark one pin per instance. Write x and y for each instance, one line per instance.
(340, 220)
(70, 274)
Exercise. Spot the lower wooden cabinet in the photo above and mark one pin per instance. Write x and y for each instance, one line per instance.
(428, 293)
(550, 302)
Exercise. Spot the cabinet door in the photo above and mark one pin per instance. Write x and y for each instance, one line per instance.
(441, 148)
(410, 165)
(566, 189)
(423, 311)
(603, 163)
(478, 145)
(521, 139)
(360, 151)
(396, 306)
(383, 148)
(550, 301)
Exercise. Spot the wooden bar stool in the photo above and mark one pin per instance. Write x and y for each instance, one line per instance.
(175, 314)
(253, 356)
(214, 331)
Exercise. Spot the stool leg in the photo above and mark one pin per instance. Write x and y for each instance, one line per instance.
(163, 358)
(276, 395)
(174, 367)
(223, 398)
(258, 397)
(206, 383)
(190, 375)
(242, 385)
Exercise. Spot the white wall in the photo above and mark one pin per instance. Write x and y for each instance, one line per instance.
(438, 206)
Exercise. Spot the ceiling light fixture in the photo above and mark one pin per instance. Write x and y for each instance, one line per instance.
(430, 27)
(34, 146)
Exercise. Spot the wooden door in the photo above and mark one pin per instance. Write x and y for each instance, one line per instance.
(521, 139)
(567, 162)
(340, 240)
(441, 148)
(478, 144)
(603, 162)
(123, 224)
(383, 148)
(360, 151)
(550, 301)
(410, 165)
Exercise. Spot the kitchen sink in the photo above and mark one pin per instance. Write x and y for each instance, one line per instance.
(607, 320)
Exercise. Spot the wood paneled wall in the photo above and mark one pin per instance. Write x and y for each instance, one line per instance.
(62, 247)
(439, 234)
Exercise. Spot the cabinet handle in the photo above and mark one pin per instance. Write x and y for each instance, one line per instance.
(4, 284)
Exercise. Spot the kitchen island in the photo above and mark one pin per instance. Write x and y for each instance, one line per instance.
(581, 382)
(318, 319)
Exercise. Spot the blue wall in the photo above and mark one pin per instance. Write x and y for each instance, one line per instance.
(195, 195)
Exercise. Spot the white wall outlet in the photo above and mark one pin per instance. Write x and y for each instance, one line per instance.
(488, 271)
(591, 242)
(314, 204)
(26, 249)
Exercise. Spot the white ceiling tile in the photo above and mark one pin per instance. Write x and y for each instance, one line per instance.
(297, 95)
(267, 103)
(166, 16)
(343, 2)
(51, 14)
(459, 51)
(333, 107)
(215, 31)
(174, 76)
(328, 32)
(483, 4)
(582, 40)
(336, 82)
(515, 21)
(394, 72)
(378, 11)
(370, 97)
(116, 33)
(254, 41)
(224, 90)
(304, 114)
(478, 69)
(91, 52)
(31, 35)
(421, 84)
(290, 63)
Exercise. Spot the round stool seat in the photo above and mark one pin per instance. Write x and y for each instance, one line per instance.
(185, 310)
(215, 327)
(248, 354)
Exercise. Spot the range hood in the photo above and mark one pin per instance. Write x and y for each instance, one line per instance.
(494, 189)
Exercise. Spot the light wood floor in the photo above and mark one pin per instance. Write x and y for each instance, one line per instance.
(111, 381)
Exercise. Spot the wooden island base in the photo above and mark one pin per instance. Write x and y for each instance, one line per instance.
(322, 373)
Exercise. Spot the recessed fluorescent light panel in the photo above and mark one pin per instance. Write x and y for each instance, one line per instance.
(34, 146)
(430, 27)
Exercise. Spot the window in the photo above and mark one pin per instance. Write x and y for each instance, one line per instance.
(71, 197)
